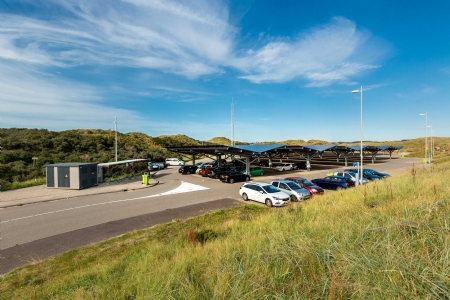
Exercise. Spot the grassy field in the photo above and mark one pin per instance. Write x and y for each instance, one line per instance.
(386, 240)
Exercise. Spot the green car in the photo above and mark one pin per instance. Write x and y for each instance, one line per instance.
(255, 171)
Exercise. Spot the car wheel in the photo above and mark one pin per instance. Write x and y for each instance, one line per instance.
(216, 176)
(247, 178)
(231, 180)
(269, 203)
(338, 188)
(294, 199)
(282, 170)
(245, 197)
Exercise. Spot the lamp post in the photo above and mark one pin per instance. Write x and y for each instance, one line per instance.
(426, 134)
(430, 154)
(432, 143)
(360, 91)
(115, 125)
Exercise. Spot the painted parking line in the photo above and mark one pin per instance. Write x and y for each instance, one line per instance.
(185, 187)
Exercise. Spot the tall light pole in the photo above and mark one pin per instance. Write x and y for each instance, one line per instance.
(432, 143)
(426, 134)
(115, 126)
(430, 155)
(360, 91)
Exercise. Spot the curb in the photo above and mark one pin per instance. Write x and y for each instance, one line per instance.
(98, 193)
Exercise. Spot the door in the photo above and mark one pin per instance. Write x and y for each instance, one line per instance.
(284, 188)
(50, 177)
(64, 177)
(259, 194)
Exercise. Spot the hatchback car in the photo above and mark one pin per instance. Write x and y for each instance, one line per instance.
(284, 167)
(351, 176)
(233, 177)
(293, 189)
(333, 182)
(187, 169)
(264, 193)
(299, 166)
(255, 171)
(366, 173)
(308, 185)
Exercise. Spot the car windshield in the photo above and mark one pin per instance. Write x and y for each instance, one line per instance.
(293, 185)
(270, 189)
(307, 182)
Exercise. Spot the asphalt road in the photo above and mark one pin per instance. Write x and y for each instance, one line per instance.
(37, 231)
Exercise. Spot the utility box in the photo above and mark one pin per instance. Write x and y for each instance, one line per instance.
(75, 176)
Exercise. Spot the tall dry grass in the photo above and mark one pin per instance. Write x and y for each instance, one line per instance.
(385, 240)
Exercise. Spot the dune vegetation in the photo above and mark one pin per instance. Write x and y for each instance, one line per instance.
(386, 240)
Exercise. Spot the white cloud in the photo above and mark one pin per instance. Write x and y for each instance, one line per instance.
(322, 56)
(190, 38)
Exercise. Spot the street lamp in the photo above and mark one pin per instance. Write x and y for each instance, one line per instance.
(430, 155)
(426, 134)
(360, 91)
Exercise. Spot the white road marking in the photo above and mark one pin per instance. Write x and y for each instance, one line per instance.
(185, 187)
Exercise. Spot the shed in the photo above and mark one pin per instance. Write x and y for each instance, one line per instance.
(74, 176)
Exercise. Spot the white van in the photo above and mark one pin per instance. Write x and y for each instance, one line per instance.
(174, 162)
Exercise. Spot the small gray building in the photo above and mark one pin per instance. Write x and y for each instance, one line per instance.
(74, 176)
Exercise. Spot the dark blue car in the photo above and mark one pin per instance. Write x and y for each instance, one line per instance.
(332, 182)
(369, 174)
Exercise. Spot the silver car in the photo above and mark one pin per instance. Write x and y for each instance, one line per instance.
(284, 167)
(293, 189)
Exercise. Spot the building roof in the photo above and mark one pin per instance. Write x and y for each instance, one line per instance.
(122, 162)
(70, 164)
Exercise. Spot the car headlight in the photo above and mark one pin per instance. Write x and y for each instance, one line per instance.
(314, 190)
(276, 198)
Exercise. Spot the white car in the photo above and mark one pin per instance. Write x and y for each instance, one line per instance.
(264, 193)
(352, 176)
(293, 189)
(284, 167)
(174, 162)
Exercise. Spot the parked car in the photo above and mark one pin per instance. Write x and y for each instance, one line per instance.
(174, 161)
(264, 163)
(233, 177)
(299, 165)
(187, 169)
(203, 165)
(216, 172)
(293, 189)
(332, 182)
(255, 171)
(152, 166)
(284, 167)
(162, 165)
(264, 193)
(308, 185)
(236, 163)
(375, 172)
(351, 176)
(204, 171)
(366, 173)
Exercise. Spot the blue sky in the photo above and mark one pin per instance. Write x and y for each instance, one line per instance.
(173, 67)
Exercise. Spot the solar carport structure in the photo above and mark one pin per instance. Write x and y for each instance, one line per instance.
(251, 153)
(248, 152)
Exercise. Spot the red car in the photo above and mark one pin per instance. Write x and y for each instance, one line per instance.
(308, 185)
(204, 171)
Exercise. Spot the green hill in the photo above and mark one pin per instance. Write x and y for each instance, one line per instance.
(19, 146)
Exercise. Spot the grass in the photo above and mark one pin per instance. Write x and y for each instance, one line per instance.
(388, 239)
(23, 184)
